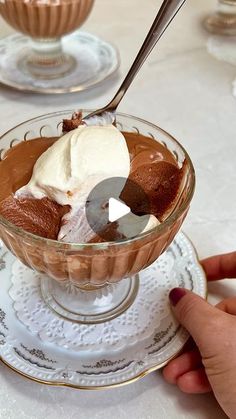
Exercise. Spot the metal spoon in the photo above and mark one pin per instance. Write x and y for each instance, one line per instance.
(167, 12)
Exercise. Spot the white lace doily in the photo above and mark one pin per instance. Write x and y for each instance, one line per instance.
(151, 304)
(38, 344)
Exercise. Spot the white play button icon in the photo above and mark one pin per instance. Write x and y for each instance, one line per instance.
(110, 213)
(117, 209)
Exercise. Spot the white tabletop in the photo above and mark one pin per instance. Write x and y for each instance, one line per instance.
(187, 92)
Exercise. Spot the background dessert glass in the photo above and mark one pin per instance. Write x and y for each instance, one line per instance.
(223, 21)
(45, 21)
(93, 283)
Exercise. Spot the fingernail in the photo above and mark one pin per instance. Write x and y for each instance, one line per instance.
(176, 294)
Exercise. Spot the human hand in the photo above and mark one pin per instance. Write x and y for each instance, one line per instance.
(209, 361)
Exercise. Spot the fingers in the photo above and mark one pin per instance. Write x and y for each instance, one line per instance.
(228, 305)
(181, 365)
(187, 373)
(192, 312)
(220, 267)
(194, 382)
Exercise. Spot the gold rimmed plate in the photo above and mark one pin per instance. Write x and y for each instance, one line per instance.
(95, 61)
(40, 345)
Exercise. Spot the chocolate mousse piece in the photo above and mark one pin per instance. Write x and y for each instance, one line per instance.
(108, 234)
(74, 122)
(161, 182)
(38, 216)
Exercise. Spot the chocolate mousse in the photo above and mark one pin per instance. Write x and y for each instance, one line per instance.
(152, 166)
(38, 216)
(45, 18)
(161, 182)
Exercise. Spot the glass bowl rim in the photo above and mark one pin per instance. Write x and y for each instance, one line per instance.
(104, 245)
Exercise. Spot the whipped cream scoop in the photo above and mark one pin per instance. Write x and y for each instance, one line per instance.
(68, 170)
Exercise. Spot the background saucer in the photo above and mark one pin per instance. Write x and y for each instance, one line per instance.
(96, 60)
(44, 347)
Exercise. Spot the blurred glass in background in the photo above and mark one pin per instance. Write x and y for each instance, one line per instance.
(223, 20)
(45, 22)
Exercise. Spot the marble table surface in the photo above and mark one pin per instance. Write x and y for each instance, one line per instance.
(186, 91)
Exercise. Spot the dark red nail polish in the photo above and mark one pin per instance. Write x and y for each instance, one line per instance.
(176, 294)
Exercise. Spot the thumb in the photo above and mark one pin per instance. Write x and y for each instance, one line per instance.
(202, 320)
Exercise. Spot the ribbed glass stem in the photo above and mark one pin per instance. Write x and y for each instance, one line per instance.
(96, 305)
(47, 59)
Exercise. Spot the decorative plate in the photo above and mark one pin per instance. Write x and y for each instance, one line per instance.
(40, 345)
(222, 48)
(96, 60)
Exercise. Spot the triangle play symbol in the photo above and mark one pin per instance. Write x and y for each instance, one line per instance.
(117, 209)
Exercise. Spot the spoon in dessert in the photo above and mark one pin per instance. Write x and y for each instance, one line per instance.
(167, 12)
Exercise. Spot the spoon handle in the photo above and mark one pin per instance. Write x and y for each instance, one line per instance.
(167, 12)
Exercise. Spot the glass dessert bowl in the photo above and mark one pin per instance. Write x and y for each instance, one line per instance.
(94, 282)
(45, 22)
